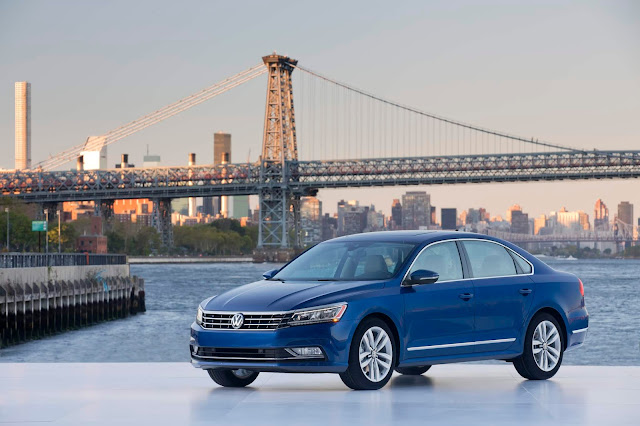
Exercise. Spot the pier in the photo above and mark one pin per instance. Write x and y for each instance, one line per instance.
(41, 295)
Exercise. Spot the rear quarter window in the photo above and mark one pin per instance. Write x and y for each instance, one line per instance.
(489, 259)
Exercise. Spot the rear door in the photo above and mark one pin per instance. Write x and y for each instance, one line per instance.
(503, 293)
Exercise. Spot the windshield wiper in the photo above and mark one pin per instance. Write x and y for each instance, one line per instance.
(327, 279)
(276, 279)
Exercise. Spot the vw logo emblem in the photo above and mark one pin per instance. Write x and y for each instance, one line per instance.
(237, 320)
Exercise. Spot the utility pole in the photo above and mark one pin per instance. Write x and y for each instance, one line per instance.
(46, 232)
(59, 231)
(6, 209)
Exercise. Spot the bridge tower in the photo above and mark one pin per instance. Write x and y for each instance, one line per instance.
(279, 208)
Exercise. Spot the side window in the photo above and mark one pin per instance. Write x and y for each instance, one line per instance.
(525, 267)
(489, 259)
(442, 258)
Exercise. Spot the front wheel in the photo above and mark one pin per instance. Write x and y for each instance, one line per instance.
(413, 371)
(543, 349)
(233, 378)
(372, 356)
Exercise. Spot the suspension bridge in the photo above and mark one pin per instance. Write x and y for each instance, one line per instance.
(349, 138)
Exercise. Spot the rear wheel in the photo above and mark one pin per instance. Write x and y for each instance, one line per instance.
(371, 357)
(543, 349)
(233, 378)
(413, 371)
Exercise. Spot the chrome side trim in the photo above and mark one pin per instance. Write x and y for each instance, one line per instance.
(582, 330)
(455, 345)
(471, 278)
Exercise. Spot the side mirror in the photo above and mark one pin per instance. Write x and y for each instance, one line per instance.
(270, 274)
(422, 276)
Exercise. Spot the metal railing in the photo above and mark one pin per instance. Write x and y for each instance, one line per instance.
(34, 260)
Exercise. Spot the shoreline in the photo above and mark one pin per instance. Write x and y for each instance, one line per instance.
(138, 260)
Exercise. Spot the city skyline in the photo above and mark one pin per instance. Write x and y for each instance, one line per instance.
(581, 91)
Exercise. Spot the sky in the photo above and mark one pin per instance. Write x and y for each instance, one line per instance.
(567, 72)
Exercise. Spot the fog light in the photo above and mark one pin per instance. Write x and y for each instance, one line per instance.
(313, 351)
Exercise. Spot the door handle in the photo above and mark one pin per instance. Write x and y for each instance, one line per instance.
(525, 291)
(465, 296)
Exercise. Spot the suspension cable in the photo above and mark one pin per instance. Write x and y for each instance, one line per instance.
(433, 116)
(154, 117)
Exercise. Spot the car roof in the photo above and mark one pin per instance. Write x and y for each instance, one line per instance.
(416, 236)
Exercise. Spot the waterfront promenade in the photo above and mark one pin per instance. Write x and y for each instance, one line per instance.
(177, 394)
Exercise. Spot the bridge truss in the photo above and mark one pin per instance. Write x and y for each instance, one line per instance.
(305, 177)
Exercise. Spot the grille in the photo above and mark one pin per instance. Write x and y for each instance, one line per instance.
(242, 354)
(263, 321)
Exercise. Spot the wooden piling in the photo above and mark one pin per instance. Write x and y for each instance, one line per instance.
(36, 310)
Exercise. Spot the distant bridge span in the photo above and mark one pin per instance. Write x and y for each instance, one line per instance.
(305, 177)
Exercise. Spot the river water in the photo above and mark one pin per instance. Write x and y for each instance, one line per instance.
(173, 292)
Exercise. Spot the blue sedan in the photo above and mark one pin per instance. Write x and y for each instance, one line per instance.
(365, 305)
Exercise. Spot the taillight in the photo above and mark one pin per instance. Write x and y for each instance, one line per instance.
(581, 287)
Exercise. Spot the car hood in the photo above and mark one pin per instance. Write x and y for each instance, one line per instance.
(266, 295)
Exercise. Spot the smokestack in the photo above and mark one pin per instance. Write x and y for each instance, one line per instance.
(124, 161)
(80, 163)
(224, 200)
(192, 200)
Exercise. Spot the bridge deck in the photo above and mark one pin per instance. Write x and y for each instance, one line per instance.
(176, 393)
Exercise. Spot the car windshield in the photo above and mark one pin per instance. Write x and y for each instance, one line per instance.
(347, 261)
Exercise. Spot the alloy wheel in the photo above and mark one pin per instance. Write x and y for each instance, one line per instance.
(375, 354)
(546, 345)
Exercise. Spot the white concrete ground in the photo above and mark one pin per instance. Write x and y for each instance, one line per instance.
(177, 394)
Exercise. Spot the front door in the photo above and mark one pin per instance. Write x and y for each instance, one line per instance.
(439, 317)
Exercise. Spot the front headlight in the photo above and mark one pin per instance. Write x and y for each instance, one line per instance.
(199, 316)
(331, 313)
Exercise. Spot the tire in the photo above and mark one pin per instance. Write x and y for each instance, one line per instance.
(377, 363)
(540, 365)
(233, 378)
(413, 371)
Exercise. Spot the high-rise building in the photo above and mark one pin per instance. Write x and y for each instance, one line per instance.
(573, 220)
(151, 161)
(625, 213)
(601, 216)
(193, 209)
(94, 154)
(375, 220)
(449, 218)
(352, 218)
(221, 148)
(221, 155)
(396, 214)
(416, 210)
(355, 219)
(23, 125)
(519, 222)
(240, 207)
(624, 219)
(515, 207)
(539, 223)
(311, 218)
(342, 208)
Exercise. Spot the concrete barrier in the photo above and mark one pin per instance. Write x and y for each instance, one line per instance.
(35, 304)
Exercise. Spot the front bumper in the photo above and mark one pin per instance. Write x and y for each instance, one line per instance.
(242, 345)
